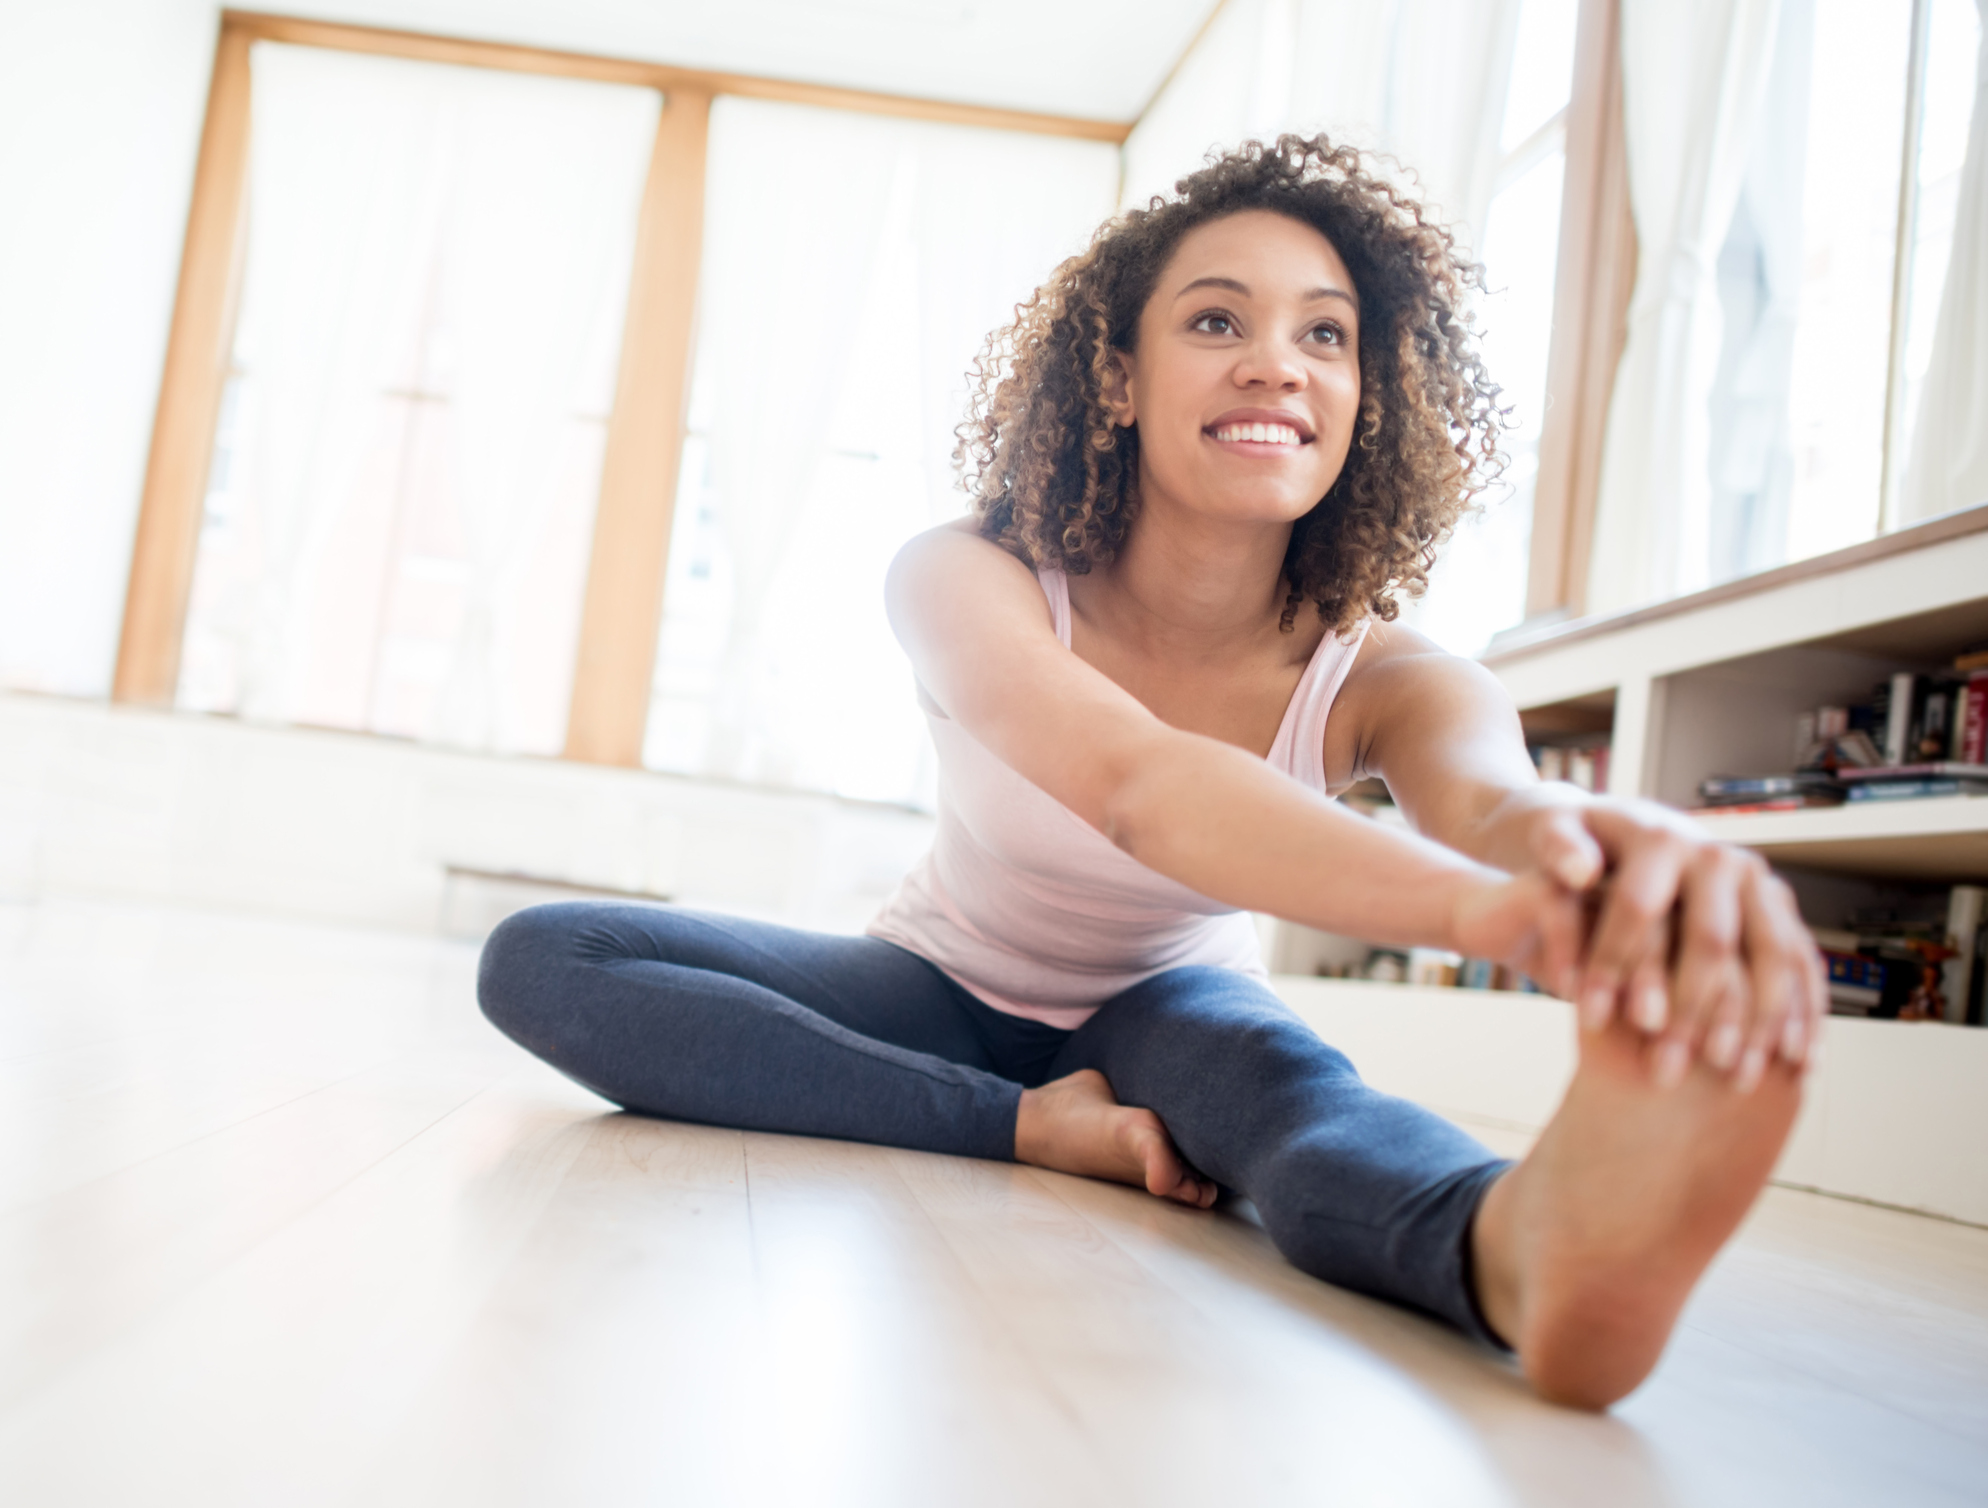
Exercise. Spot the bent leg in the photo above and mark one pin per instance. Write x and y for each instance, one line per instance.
(712, 1018)
(1356, 1187)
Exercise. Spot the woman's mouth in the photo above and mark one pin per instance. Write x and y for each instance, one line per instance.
(1257, 434)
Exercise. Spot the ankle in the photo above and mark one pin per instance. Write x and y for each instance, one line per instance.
(1030, 1131)
(1493, 1269)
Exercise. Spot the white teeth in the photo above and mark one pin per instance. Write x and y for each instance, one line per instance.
(1261, 434)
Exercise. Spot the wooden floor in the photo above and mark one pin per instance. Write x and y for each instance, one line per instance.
(282, 1222)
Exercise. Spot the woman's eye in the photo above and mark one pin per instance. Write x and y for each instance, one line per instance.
(1329, 335)
(1215, 324)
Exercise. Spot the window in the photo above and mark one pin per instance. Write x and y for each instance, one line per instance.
(1950, 128)
(1796, 172)
(1478, 586)
(1800, 457)
(401, 496)
(1797, 404)
(853, 268)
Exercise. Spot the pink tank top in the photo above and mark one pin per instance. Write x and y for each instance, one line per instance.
(1037, 912)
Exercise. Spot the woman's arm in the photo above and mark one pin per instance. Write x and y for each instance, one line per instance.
(1694, 939)
(1214, 817)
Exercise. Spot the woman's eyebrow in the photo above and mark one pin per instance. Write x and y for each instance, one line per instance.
(1235, 286)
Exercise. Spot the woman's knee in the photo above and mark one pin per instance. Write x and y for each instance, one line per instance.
(522, 975)
(1221, 1012)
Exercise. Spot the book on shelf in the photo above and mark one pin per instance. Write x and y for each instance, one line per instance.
(1919, 735)
(1769, 793)
(1937, 769)
(1770, 804)
(1429, 966)
(1967, 971)
(1923, 959)
(1760, 787)
(1582, 764)
(1915, 790)
(1939, 715)
(1856, 983)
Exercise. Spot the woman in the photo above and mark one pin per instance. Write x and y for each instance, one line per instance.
(1207, 458)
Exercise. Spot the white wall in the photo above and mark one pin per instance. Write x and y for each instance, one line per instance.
(116, 803)
(100, 111)
(1233, 84)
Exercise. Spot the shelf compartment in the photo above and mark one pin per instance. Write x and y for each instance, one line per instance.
(1939, 838)
(1575, 718)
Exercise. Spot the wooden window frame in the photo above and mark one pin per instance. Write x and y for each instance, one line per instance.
(1597, 274)
(630, 555)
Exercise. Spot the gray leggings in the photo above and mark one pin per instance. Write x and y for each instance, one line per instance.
(703, 1017)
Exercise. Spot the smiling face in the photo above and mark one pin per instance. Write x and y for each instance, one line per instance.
(1246, 382)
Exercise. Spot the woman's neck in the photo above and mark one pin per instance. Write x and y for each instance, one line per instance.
(1186, 580)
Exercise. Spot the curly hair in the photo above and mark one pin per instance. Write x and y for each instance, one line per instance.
(1055, 481)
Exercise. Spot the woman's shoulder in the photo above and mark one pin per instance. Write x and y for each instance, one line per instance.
(1396, 674)
(954, 558)
(950, 586)
(1393, 661)
(957, 544)
(1394, 644)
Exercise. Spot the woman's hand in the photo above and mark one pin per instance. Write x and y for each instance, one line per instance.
(1530, 922)
(1695, 942)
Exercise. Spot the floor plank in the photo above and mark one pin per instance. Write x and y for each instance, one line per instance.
(281, 1220)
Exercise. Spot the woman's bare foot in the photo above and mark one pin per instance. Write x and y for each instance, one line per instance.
(1076, 1125)
(1586, 1251)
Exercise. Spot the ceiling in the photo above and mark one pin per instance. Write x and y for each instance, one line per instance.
(1102, 59)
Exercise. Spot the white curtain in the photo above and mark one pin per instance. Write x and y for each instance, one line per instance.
(852, 267)
(793, 211)
(1948, 466)
(1760, 274)
(437, 263)
(1423, 81)
(1695, 73)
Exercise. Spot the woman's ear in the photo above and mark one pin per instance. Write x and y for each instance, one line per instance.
(1118, 390)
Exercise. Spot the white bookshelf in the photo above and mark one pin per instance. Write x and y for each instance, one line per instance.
(1943, 838)
(1711, 685)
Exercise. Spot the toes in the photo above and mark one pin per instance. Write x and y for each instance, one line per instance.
(1166, 1174)
(1198, 1193)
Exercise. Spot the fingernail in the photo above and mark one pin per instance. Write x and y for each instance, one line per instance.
(1673, 1058)
(1752, 1066)
(1723, 1049)
(1793, 1039)
(1597, 1005)
(1652, 1007)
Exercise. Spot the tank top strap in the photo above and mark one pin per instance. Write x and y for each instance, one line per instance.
(1056, 587)
(1300, 747)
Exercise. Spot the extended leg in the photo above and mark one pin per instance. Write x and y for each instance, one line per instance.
(1588, 1250)
(1581, 1256)
(1356, 1187)
(710, 1018)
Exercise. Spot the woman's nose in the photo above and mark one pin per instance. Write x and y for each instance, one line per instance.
(1271, 363)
